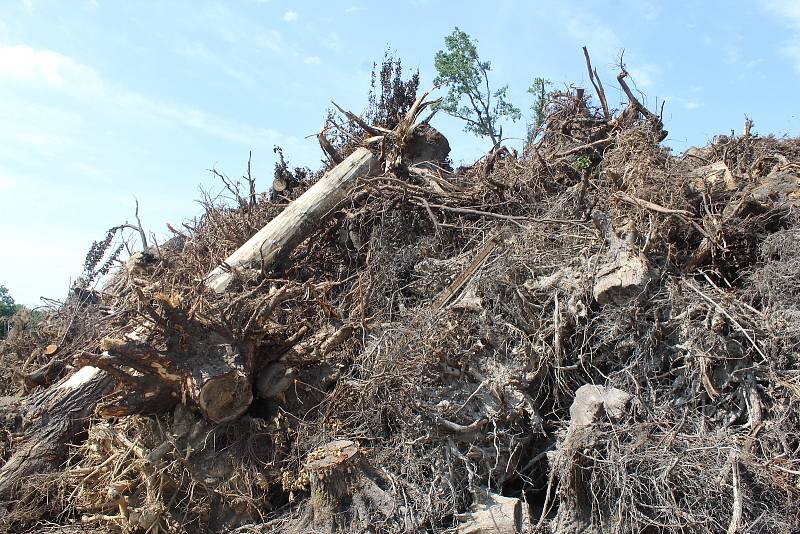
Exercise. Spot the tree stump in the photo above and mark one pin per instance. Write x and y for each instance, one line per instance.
(346, 494)
(592, 404)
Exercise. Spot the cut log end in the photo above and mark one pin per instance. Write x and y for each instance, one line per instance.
(225, 398)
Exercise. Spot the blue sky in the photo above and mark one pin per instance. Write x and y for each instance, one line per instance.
(103, 101)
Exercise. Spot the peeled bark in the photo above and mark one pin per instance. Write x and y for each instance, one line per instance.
(51, 419)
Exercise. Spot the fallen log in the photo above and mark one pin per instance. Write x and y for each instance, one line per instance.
(297, 221)
(49, 420)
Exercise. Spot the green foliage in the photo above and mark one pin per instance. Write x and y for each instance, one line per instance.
(7, 309)
(583, 163)
(539, 107)
(469, 96)
(7, 305)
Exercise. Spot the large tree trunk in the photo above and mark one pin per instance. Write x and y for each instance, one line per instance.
(294, 224)
(49, 420)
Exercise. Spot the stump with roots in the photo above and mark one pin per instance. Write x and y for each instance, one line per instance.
(346, 494)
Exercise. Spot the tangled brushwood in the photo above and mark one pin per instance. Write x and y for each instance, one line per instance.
(592, 336)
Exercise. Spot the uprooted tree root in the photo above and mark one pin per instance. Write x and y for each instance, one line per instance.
(430, 337)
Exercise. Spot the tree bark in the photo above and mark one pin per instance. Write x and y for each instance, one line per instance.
(50, 419)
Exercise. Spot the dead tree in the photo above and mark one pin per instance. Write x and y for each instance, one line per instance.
(214, 375)
(209, 372)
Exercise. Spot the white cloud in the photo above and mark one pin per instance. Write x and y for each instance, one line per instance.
(45, 69)
(754, 63)
(27, 5)
(7, 182)
(200, 52)
(272, 40)
(601, 40)
(791, 49)
(686, 103)
(789, 13)
(789, 10)
(312, 60)
(644, 75)
(194, 50)
(647, 9)
(332, 41)
(291, 16)
(354, 9)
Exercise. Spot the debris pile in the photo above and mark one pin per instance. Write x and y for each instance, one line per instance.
(592, 336)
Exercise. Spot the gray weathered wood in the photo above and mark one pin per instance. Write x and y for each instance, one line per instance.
(297, 221)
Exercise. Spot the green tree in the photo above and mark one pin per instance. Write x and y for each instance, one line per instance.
(7, 309)
(469, 96)
(539, 107)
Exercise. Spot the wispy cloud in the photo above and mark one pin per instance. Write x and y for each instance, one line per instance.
(788, 9)
(789, 13)
(354, 9)
(291, 16)
(644, 75)
(646, 9)
(688, 104)
(332, 41)
(51, 71)
(45, 68)
(603, 42)
(312, 60)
